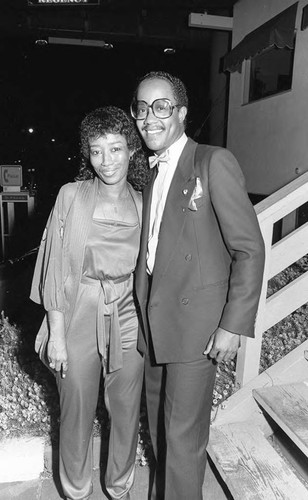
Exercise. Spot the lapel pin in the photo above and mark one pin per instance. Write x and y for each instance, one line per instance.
(185, 191)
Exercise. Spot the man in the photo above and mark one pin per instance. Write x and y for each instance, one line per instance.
(198, 278)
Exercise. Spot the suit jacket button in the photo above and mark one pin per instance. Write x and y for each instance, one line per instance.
(188, 257)
(183, 209)
(185, 301)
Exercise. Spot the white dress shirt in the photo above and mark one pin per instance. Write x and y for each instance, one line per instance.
(160, 191)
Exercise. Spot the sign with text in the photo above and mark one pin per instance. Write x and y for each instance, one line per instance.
(10, 175)
(38, 3)
(15, 197)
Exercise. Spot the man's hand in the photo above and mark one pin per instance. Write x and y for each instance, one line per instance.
(223, 345)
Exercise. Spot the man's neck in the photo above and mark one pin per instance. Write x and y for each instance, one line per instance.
(174, 145)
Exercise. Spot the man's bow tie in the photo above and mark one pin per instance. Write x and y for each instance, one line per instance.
(163, 157)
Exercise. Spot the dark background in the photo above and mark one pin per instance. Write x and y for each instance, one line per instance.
(50, 88)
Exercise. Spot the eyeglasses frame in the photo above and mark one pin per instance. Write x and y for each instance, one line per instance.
(150, 106)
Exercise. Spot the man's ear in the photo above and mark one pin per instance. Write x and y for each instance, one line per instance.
(182, 113)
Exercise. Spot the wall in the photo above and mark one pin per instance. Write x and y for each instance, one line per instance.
(218, 92)
(270, 137)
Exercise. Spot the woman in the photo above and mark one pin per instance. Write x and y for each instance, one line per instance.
(84, 279)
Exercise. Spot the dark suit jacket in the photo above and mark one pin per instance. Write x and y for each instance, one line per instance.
(209, 262)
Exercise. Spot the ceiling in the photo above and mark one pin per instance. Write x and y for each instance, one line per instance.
(148, 22)
(51, 87)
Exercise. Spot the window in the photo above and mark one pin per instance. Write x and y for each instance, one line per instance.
(270, 73)
(271, 48)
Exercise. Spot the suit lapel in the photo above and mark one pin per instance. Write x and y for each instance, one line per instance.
(175, 211)
(141, 274)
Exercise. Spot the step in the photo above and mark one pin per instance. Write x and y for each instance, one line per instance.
(249, 465)
(287, 405)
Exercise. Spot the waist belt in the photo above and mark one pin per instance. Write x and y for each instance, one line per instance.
(108, 295)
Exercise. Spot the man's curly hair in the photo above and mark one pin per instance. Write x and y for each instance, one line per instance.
(113, 120)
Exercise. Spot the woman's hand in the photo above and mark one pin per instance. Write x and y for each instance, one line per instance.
(56, 347)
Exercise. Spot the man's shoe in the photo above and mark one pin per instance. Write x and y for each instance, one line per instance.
(85, 498)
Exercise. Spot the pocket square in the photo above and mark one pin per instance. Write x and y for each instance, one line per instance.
(197, 193)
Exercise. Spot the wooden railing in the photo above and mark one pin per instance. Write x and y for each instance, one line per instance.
(277, 257)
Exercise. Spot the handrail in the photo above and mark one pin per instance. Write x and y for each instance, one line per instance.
(277, 257)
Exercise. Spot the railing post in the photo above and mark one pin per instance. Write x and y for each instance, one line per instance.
(248, 358)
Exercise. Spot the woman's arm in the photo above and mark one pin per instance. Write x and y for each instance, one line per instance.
(56, 347)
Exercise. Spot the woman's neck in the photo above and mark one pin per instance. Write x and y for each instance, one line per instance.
(113, 191)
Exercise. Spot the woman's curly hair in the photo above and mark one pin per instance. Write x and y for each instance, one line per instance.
(113, 120)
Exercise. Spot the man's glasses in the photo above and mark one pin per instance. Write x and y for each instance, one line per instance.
(161, 108)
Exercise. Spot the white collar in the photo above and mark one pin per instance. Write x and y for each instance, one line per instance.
(175, 150)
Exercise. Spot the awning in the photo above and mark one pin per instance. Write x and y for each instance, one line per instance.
(278, 32)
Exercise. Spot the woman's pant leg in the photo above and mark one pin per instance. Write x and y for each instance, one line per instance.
(155, 380)
(78, 400)
(122, 398)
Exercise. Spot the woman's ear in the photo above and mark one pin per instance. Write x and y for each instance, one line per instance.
(131, 154)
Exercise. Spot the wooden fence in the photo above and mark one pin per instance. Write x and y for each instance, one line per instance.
(278, 257)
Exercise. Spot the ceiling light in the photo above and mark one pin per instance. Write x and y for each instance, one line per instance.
(41, 42)
(77, 41)
(169, 50)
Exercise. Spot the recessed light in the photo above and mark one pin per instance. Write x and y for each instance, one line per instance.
(41, 42)
(169, 50)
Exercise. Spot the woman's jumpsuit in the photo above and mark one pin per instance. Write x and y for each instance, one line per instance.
(103, 334)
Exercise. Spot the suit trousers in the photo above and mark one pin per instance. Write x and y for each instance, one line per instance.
(78, 401)
(179, 402)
